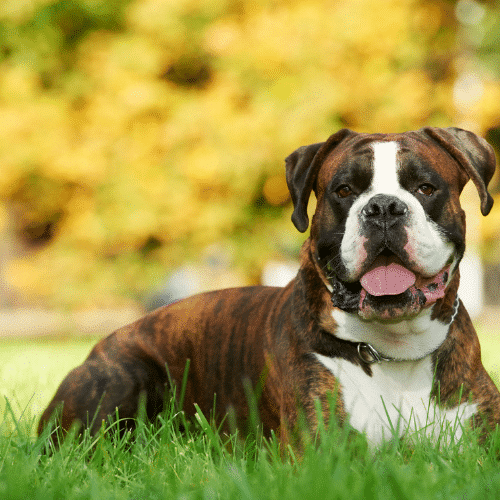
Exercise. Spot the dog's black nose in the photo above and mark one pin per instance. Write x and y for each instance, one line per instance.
(384, 210)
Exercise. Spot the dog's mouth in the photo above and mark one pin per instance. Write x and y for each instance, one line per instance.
(390, 291)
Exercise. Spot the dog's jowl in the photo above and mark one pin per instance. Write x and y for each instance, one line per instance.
(373, 316)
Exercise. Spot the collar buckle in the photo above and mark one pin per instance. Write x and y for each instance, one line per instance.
(368, 354)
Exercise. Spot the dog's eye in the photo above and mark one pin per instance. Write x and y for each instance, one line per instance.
(343, 191)
(426, 189)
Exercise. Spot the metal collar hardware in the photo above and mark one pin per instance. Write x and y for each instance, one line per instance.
(455, 309)
(368, 354)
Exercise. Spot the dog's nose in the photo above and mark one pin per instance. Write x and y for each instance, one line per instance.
(384, 210)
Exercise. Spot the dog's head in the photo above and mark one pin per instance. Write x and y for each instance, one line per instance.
(388, 231)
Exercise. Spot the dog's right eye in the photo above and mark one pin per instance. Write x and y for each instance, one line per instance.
(343, 191)
(426, 189)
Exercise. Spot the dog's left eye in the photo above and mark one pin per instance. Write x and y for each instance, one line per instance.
(343, 191)
(426, 189)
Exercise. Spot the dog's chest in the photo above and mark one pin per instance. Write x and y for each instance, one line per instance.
(395, 400)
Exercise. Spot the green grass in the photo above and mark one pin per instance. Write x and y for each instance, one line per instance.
(158, 461)
(32, 369)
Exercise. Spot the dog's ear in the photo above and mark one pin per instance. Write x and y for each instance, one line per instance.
(302, 167)
(473, 154)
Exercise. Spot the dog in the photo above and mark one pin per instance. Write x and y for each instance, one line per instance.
(372, 317)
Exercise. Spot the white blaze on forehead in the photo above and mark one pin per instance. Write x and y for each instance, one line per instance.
(385, 167)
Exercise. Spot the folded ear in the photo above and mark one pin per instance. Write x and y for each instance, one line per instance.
(474, 155)
(302, 168)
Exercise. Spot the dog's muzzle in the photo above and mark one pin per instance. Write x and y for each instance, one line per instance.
(389, 291)
(387, 287)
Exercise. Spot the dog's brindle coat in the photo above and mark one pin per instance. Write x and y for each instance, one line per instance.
(291, 344)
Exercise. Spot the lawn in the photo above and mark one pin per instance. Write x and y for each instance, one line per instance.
(160, 462)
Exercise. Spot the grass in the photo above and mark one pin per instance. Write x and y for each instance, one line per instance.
(158, 461)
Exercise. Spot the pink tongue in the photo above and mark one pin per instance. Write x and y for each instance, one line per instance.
(387, 277)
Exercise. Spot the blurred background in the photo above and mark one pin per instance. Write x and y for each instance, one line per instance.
(142, 142)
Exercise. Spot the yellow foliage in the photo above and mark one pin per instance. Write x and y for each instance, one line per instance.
(20, 10)
(163, 129)
(83, 224)
(19, 84)
(276, 190)
(427, 18)
(4, 218)
(487, 110)
(26, 276)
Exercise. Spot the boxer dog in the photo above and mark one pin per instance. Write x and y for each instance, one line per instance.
(373, 316)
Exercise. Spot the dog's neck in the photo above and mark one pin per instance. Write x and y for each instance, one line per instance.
(409, 339)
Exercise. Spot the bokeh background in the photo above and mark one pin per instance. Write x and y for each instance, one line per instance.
(142, 141)
(142, 147)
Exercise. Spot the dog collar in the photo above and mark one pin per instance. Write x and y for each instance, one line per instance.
(369, 355)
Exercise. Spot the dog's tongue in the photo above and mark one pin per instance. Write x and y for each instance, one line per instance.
(387, 277)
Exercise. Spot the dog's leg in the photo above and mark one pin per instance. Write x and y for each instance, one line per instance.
(114, 376)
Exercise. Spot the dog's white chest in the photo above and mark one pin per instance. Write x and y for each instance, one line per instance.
(395, 400)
